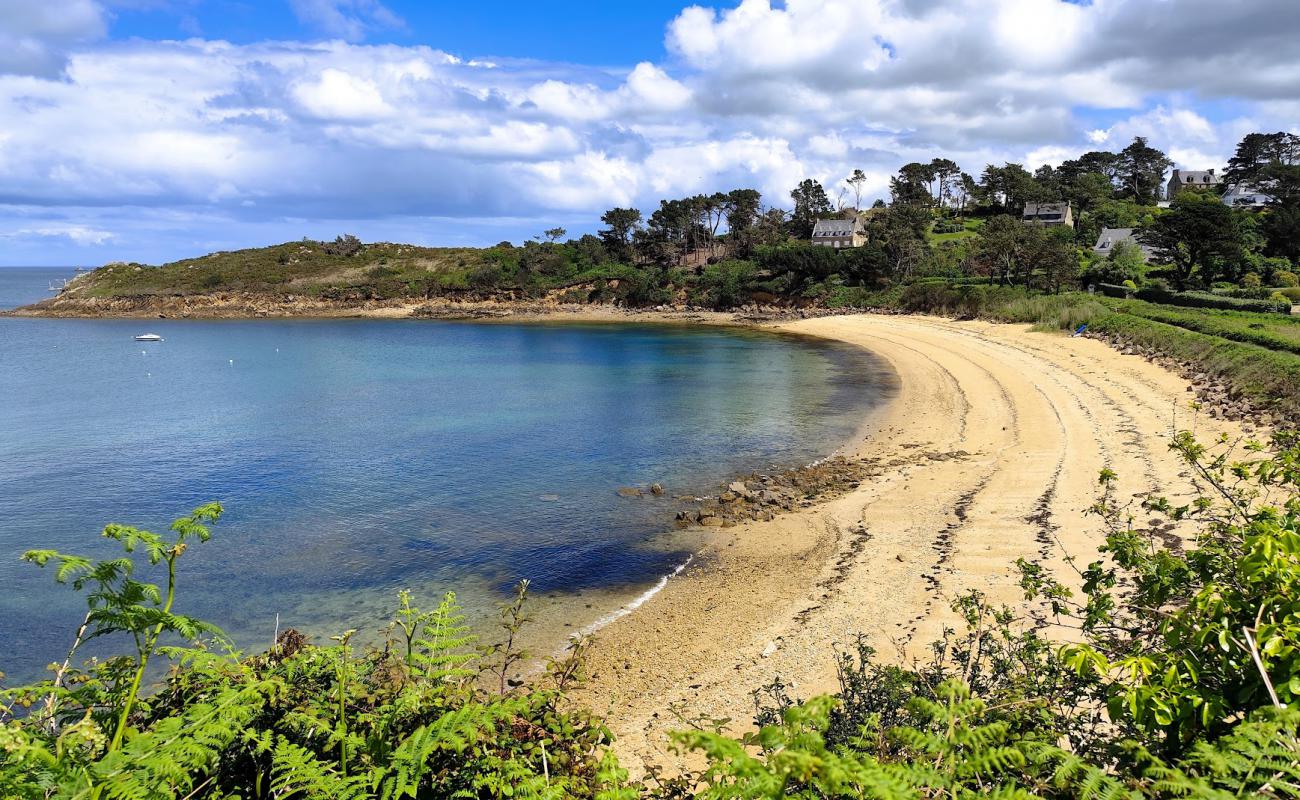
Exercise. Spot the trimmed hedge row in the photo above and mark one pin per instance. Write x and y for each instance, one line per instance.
(1216, 325)
(1208, 300)
(1114, 290)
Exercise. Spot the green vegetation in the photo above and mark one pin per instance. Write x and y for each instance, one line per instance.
(955, 230)
(727, 249)
(1180, 681)
(305, 268)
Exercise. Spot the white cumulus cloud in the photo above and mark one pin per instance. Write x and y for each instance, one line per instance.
(175, 146)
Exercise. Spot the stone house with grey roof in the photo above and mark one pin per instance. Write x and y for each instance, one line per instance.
(840, 233)
(1192, 179)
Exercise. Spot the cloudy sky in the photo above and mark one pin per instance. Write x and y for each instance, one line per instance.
(154, 129)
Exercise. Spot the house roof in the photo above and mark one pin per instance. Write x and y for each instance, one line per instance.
(1109, 237)
(835, 227)
(1040, 209)
(1244, 192)
(1201, 176)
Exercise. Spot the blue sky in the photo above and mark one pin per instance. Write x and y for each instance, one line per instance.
(592, 32)
(150, 130)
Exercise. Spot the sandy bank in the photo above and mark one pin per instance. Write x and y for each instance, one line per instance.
(990, 453)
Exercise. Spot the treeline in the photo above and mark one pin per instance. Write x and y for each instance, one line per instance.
(732, 248)
(943, 221)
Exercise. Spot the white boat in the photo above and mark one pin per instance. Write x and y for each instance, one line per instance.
(148, 337)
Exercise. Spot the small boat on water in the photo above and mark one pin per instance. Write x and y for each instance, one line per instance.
(148, 337)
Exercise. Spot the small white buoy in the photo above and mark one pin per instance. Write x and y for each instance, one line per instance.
(144, 353)
(232, 362)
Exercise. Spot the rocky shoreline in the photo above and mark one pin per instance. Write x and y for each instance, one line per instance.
(254, 305)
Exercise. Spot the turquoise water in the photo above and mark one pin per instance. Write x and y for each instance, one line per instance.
(356, 457)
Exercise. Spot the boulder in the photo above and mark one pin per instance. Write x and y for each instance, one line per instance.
(739, 489)
(656, 489)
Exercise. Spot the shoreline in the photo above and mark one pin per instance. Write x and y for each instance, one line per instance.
(988, 452)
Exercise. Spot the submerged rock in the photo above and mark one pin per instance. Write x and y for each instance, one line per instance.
(629, 491)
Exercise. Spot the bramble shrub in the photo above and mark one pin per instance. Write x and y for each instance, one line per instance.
(346, 245)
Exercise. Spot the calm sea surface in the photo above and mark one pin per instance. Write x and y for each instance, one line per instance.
(357, 457)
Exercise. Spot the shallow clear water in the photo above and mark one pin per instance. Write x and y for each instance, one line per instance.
(356, 457)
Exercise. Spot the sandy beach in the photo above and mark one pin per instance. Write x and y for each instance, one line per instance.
(990, 452)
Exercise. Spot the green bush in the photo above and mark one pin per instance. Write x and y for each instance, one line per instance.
(1208, 300)
(726, 284)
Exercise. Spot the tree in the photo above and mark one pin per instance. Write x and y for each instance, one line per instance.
(1054, 260)
(620, 225)
(947, 180)
(1088, 190)
(1281, 224)
(911, 186)
(999, 247)
(1125, 262)
(1141, 169)
(1099, 162)
(967, 189)
(1200, 238)
(709, 211)
(855, 182)
(554, 234)
(896, 242)
(669, 233)
(1050, 181)
(770, 227)
(1257, 151)
(1010, 187)
(742, 210)
(810, 205)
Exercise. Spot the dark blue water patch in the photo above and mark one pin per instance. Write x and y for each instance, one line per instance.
(354, 457)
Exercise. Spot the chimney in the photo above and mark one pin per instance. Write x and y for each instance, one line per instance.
(1210, 170)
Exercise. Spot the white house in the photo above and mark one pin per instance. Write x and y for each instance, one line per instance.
(1241, 195)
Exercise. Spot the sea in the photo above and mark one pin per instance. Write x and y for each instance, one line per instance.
(354, 458)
